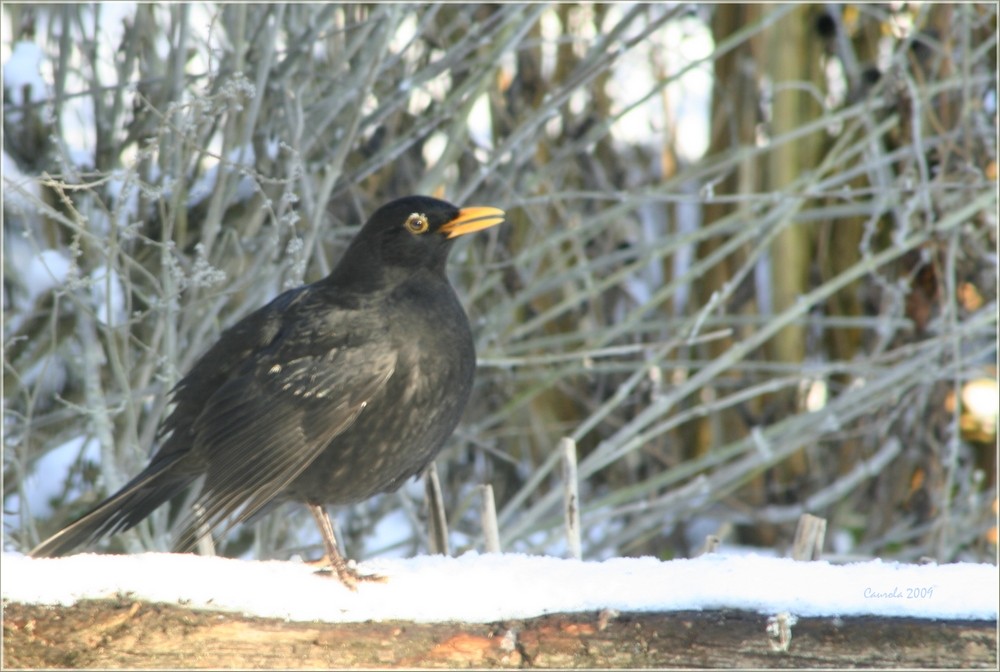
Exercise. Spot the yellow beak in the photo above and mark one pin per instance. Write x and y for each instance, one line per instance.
(472, 219)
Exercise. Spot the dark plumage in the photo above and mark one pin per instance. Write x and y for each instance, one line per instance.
(329, 394)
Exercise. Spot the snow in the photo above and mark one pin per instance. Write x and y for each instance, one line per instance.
(47, 478)
(124, 188)
(108, 295)
(43, 272)
(486, 588)
(22, 74)
(238, 160)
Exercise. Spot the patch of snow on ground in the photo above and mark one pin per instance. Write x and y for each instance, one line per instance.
(22, 74)
(491, 587)
(108, 295)
(48, 475)
(45, 272)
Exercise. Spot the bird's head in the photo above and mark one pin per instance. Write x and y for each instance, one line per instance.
(414, 232)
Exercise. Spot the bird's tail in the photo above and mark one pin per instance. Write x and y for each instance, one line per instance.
(123, 510)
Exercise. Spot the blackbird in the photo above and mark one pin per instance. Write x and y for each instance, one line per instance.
(331, 393)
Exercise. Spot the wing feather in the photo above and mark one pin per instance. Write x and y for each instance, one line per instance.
(261, 429)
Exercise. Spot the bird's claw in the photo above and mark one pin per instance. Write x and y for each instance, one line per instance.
(345, 571)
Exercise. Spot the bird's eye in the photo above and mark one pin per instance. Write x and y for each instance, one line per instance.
(417, 223)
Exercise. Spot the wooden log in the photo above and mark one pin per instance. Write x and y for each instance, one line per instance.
(124, 633)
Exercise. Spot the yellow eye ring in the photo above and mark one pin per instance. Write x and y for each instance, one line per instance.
(417, 223)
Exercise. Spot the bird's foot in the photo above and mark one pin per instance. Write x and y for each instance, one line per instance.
(346, 571)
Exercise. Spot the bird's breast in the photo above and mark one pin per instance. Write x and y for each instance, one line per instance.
(407, 422)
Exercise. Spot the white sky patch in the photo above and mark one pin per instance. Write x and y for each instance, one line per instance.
(550, 31)
(481, 123)
(406, 31)
(109, 37)
(434, 148)
(675, 46)
(981, 398)
(691, 93)
(486, 588)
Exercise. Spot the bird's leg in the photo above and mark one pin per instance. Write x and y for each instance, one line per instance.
(349, 576)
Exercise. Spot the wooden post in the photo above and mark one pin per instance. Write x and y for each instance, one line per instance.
(809, 536)
(488, 514)
(571, 499)
(437, 522)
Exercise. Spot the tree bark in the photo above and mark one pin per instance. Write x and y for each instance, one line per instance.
(125, 633)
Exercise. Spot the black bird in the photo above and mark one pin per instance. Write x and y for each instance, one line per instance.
(331, 393)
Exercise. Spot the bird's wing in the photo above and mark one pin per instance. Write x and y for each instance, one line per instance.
(262, 428)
